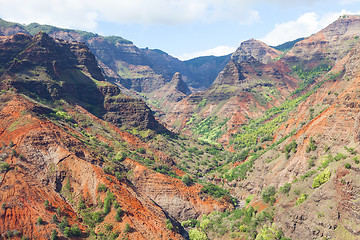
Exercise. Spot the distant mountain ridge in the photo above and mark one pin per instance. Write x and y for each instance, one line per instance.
(123, 61)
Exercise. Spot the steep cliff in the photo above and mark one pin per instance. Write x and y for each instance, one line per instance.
(55, 70)
(66, 171)
(250, 83)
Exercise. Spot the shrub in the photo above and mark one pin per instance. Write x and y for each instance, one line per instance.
(347, 165)
(67, 232)
(116, 205)
(321, 178)
(108, 201)
(4, 166)
(311, 146)
(339, 156)
(46, 204)
(311, 162)
(307, 174)
(39, 221)
(243, 228)
(81, 204)
(286, 188)
(169, 224)
(127, 228)
(63, 224)
(75, 231)
(109, 227)
(97, 217)
(54, 218)
(187, 180)
(301, 199)
(54, 235)
(350, 150)
(190, 223)
(267, 193)
(101, 188)
(197, 234)
(215, 190)
(141, 150)
(291, 147)
(119, 214)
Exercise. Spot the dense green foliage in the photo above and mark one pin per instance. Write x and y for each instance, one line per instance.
(321, 178)
(268, 194)
(301, 199)
(270, 233)
(215, 191)
(187, 180)
(197, 234)
(286, 188)
(311, 146)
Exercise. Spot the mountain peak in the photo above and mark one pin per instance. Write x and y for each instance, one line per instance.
(256, 49)
(179, 84)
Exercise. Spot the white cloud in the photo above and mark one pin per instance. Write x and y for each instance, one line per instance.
(86, 14)
(217, 51)
(306, 25)
(345, 2)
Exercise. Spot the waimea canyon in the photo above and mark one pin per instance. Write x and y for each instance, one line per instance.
(101, 139)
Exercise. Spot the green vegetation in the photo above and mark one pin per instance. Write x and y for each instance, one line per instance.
(290, 147)
(39, 221)
(169, 225)
(214, 190)
(311, 146)
(240, 223)
(270, 233)
(108, 201)
(54, 235)
(240, 171)
(197, 234)
(119, 215)
(127, 228)
(268, 195)
(350, 150)
(210, 129)
(285, 189)
(301, 199)
(190, 223)
(101, 188)
(187, 180)
(309, 76)
(321, 178)
(46, 204)
(4, 166)
(307, 174)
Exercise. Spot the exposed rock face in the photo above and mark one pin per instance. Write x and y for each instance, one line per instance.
(329, 210)
(48, 166)
(236, 93)
(231, 74)
(172, 195)
(327, 46)
(171, 93)
(179, 84)
(256, 49)
(206, 69)
(55, 69)
(142, 70)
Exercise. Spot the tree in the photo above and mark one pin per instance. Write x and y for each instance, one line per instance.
(39, 221)
(268, 193)
(187, 180)
(54, 235)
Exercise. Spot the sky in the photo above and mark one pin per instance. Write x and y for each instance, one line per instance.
(185, 28)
